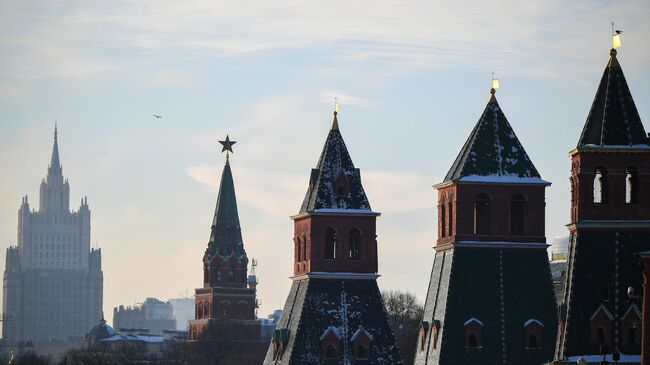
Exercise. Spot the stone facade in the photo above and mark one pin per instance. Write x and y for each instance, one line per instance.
(53, 281)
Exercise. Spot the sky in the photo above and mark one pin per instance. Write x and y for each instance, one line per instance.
(412, 78)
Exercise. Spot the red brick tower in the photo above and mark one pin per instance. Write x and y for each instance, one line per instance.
(334, 312)
(610, 223)
(490, 298)
(225, 305)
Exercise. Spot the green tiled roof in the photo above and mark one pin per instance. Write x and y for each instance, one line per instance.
(613, 119)
(493, 152)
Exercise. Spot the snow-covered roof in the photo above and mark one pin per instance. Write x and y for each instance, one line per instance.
(531, 321)
(472, 320)
(329, 330)
(634, 308)
(604, 309)
(493, 153)
(358, 332)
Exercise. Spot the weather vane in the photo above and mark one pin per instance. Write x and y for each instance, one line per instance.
(227, 146)
(616, 37)
(336, 105)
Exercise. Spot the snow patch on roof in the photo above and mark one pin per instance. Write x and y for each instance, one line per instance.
(472, 320)
(531, 321)
(503, 179)
(358, 332)
(329, 330)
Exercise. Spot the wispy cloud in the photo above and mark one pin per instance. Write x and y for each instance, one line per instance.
(85, 38)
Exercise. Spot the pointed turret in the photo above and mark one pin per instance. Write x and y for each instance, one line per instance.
(613, 119)
(493, 153)
(335, 184)
(225, 237)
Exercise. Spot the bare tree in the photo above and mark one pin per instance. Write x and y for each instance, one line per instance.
(404, 316)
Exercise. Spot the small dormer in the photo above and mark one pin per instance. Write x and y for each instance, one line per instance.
(533, 334)
(601, 328)
(330, 344)
(631, 329)
(473, 333)
(361, 342)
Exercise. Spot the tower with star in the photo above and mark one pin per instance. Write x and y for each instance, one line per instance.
(225, 305)
(334, 313)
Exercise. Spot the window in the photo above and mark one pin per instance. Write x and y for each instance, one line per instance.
(472, 341)
(330, 244)
(532, 342)
(631, 336)
(517, 210)
(355, 244)
(631, 185)
(362, 353)
(231, 275)
(304, 248)
(443, 220)
(482, 214)
(600, 186)
(330, 352)
(299, 249)
(600, 336)
(450, 211)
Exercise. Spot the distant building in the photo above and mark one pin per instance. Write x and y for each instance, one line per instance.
(153, 315)
(183, 312)
(269, 323)
(53, 280)
(559, 253)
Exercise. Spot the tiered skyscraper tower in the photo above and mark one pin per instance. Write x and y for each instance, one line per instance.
(610, 224)
(53, 281)
(490, 297)
(334, 313)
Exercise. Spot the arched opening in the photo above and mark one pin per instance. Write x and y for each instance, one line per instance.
(600, 186)
(355, 244)
(330, 244)
(443, 216)
(482, 214)
(362, 353)
(631, 336)
(299, 249)
(631, 185)
(231, 275)
(304, 248)
(472, 341)
(330, 352)
(532, 342)
(517, 211)
(450, 212)
(600, 336)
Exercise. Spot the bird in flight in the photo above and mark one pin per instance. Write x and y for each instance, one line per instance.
(618, 31)
(157, 116)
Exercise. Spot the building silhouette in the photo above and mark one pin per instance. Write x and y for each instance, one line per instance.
(490, 297)
(334, 312)
(53, 280)
(610, 224)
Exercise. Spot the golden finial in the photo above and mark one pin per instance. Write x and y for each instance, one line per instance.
(616, 37)
(335, 122)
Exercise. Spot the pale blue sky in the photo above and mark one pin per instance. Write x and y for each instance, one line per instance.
(412, 79)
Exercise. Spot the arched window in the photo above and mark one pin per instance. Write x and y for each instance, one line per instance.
(472, 340)
(330, 352)
(600, 336)
(362, 353)
(517, 209)
(600, 186)
(355, 244)
(330, 244)
(231, 275)
(631, 336)
(304, 248)
(443, 218)
(482, 214)
(298, 249)
(450, 212)
(532, 342)
(631, 185)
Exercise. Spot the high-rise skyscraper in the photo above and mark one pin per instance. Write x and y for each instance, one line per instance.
(53, 280)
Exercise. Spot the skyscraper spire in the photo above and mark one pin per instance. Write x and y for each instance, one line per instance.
(55, 163)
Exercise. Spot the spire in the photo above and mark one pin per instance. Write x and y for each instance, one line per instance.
(55, 164)
(335, 183)
(613, 119)
(493, 153)
(335, 122)
(225, 236)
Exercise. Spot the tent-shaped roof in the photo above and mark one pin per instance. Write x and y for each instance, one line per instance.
(613, 120)
(493, 153)
(335, 184)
